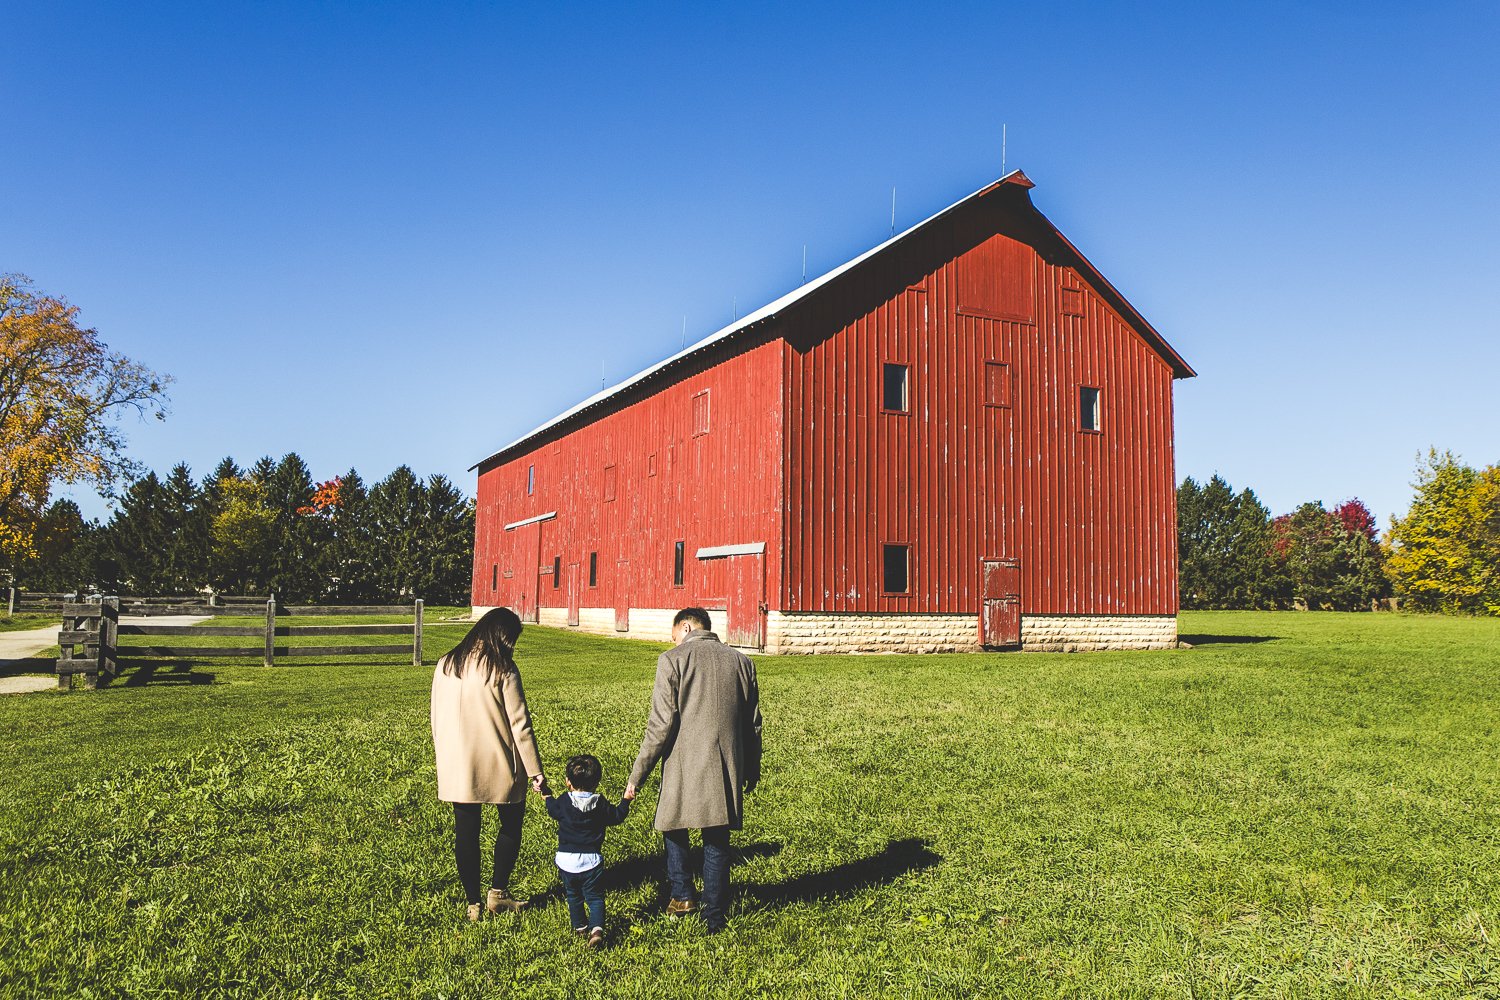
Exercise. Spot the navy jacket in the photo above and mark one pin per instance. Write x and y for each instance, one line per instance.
(581, 831)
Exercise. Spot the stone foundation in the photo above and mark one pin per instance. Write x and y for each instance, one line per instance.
(816, 632)
(1082, 633)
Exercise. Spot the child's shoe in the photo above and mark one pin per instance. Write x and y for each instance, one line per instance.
(681, 907)
(500, 901)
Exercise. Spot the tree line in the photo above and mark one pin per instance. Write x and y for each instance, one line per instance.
(264, 529)
(1442, 555)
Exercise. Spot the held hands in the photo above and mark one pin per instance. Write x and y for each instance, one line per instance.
(630, 791)
(539, 785)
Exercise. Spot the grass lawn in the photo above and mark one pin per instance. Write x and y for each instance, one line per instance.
(25, 621)
(1302, 805)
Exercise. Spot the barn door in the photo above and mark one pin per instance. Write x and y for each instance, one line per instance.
(572, 585)
(1000, 611)
(528, 575)
(622, 595)
(746, 607)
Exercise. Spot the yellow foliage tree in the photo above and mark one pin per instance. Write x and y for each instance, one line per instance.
(1444, 554)
(61, 391)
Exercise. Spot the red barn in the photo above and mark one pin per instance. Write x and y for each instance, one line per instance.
(961, 439)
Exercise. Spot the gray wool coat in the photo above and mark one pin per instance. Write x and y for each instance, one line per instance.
(704, 727)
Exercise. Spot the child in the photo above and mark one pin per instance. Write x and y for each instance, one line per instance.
(581, 817)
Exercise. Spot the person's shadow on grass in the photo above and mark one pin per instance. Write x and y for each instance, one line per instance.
(898, 858)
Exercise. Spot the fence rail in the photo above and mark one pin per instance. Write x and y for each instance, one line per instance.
(89, 639)
(40, 602)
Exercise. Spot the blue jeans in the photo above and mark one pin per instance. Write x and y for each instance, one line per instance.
(584, 888)
(715, 871)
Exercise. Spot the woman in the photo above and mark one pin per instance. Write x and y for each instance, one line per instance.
(481, 732)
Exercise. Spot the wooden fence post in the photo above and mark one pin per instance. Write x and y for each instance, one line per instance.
(416, 642)
(109, 635)
(12, 611)
(270, 655)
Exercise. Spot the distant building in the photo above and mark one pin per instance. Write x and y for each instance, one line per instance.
(961, 439)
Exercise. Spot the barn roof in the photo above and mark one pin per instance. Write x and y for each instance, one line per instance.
(1180, 368)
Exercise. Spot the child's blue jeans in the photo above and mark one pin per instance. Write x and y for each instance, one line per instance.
(585, 888)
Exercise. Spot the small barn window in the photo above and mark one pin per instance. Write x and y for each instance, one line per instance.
(1072, 301)
(651, 464)
(556, 572)
(593, 569)
(1088, 408)
(894, 397)
(609, 483)
(700, 414)
(677, 563)
(895, 575)
(996, 383)
(530, 479)
(495, 577)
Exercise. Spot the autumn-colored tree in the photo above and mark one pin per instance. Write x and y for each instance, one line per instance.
(1328, 558)
(1444, 554)
(243, 527)
(61, 392)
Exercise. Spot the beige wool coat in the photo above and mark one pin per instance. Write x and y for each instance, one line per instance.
(481, 735)
(704, 728)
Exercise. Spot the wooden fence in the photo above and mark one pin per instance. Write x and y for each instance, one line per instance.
(36, 602)
(89, 639)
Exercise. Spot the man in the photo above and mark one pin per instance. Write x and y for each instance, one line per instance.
(704, 727)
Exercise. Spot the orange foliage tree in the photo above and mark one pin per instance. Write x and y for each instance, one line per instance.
(61, 392)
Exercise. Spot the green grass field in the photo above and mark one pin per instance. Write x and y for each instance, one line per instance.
(1302, 805)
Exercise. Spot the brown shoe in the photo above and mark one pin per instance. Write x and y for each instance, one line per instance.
(475, 911)
(500, 901)
(681, 907)
(596, 939)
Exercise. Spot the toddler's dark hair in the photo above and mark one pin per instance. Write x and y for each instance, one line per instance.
(584, 772)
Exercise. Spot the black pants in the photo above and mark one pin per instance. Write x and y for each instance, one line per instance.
(466, 821)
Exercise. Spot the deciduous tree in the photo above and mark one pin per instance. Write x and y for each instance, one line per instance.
(61, 392)
(1444, 553)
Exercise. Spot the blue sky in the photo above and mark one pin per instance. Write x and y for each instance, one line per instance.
(378, 234)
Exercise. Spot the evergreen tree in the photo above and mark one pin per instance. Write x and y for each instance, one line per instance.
(394, 511)
(351, 566)
(297, 541)
(63, 555)
(448, 544)
(1223, 547)
(134, 538)
(185, 545)
(1329, 559)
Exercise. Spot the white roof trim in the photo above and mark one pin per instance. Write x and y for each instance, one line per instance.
(764, 312)
(716, 551)
(512, 526)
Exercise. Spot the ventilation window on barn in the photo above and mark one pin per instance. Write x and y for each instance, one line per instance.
(609, 483)
(895, 575)
(700, 413)
(996, 383)
(677, 564)
(530, 479)
(1088, 408)
(495, 577)
(593, 569)
(651, 464)
(894, 395)
(556, 572)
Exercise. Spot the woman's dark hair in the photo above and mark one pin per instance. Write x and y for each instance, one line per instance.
(494, 636)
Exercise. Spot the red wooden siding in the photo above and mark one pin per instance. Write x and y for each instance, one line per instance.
(673, 480)
(1090, 517)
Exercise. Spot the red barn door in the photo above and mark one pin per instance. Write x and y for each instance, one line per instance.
(1000, 611)
(572, 585)
(746, 612)
(528, 570)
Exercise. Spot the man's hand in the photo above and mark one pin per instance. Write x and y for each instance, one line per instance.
(630, 791)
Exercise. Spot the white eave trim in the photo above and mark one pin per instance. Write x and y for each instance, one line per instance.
(718, 551)
(512, 526)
